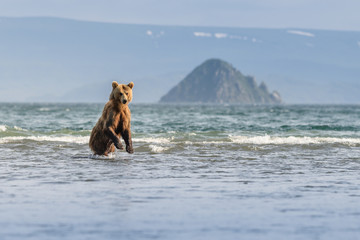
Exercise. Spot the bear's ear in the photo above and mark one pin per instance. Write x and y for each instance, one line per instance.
(131, 85)
(114, 84)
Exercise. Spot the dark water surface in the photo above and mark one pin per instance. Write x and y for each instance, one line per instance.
(198, 172)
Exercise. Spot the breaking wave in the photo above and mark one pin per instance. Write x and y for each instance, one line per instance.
(157, 149)
(153, 140)
(2, 128)
(5, 128)
(65, 139)
(292, 140)
(164, 142)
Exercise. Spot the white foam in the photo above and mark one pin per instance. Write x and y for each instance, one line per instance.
(20, 129)
(44, 109)
(149, 33)
(3, 128)
(102, 157)
(153, 140)
(270, 140)
(206, 142)
(301, 33)
(77, 139)
(157, 149)
(67, 139)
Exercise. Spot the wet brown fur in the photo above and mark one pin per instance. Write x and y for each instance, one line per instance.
(114, 122)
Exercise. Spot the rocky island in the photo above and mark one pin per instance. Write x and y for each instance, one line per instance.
(216, 81)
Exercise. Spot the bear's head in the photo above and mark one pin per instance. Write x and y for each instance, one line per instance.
(121, 93)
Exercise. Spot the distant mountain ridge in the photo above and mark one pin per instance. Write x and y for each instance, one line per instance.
(216, 81)
(60, 60)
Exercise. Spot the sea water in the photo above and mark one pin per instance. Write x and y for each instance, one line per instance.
(198, 172)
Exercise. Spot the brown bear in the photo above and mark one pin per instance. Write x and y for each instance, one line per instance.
(114, 122)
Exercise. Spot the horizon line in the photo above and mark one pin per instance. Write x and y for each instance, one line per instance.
(172, 25)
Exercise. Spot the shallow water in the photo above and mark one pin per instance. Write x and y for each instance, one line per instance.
(198, 172)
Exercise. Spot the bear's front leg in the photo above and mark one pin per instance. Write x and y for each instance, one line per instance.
(127, 138)
(110, 147)
(115, 139)
(119, 145)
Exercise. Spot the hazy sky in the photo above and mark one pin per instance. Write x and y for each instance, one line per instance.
(318, 14)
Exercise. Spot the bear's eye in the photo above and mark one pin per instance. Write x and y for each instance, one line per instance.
(121, 94)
